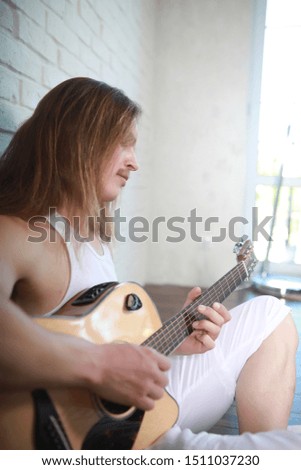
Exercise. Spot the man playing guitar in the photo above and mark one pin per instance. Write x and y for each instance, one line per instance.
(75, 154)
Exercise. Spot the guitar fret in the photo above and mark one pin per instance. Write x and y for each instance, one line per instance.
(164, 338)
(176, 329)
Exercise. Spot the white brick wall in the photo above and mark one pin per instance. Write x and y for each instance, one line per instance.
(46, 41)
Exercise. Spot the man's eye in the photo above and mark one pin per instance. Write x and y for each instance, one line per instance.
(128, 143)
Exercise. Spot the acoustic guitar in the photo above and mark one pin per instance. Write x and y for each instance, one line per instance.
(110, 312)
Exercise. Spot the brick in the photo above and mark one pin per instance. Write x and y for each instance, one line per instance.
(35, 37)
(19, 57)
(101, 49)
(9, 85)
(109, 37)
(5, 139)
(106, 10)
(70, 64)
(88, 57)
(35, 11)
(52, 76)
(58, 6)
(31, 93)
(11, 116)
(6, 17)
(90, 16)
(58, 30)
(76, 24)
(74, 3)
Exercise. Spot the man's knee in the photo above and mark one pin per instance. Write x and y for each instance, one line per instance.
(288, 331)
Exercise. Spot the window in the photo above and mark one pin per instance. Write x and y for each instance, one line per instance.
(277, 178)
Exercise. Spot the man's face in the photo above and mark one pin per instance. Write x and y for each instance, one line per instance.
(118, 169)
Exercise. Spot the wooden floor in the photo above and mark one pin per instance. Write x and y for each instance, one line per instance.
(169, 300)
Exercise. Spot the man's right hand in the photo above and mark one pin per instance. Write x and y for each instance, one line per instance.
(128, 374)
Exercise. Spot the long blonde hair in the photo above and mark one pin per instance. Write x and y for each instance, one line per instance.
(57, 156)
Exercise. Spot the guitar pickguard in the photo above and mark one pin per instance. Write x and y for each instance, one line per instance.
(114, 434)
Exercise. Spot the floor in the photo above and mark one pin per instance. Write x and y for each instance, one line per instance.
(169, 300)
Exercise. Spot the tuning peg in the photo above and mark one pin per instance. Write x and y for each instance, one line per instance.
(243, 239)
(239, 244)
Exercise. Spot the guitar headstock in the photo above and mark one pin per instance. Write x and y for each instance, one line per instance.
(245, 252)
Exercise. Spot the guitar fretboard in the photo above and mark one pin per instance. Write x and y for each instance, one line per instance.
(173, 332)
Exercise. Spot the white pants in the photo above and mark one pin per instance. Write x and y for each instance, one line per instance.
(204, 385)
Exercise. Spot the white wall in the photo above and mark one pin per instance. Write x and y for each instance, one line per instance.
(202, 85)
(187, 64)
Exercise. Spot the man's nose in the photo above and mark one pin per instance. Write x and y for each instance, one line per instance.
(131, 162)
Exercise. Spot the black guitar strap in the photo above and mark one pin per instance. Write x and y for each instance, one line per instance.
(49, 433)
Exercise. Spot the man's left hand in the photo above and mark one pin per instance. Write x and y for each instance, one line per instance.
(206, 331)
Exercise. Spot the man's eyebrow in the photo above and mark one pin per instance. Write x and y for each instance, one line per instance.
(130, 137)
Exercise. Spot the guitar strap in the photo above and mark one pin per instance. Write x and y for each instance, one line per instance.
(49, 433)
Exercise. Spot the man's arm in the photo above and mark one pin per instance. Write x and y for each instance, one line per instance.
(33, 357)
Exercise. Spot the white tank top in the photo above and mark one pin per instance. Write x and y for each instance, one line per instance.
(87, 267)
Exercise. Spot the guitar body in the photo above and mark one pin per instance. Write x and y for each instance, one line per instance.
(122, 313)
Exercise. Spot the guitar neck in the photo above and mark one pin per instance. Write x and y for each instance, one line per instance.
(176, 329)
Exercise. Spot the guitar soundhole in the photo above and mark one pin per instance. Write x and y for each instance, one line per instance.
(114, 410)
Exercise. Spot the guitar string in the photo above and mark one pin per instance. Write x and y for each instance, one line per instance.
(179, 329)
(187, 311)
(180, 333)
(218, 285)
(166, 341)
(180, 320)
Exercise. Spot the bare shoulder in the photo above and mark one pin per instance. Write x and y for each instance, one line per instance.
(20, 239)
(18, 252)
(13, 232)
(9, 222)
(32, 263)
